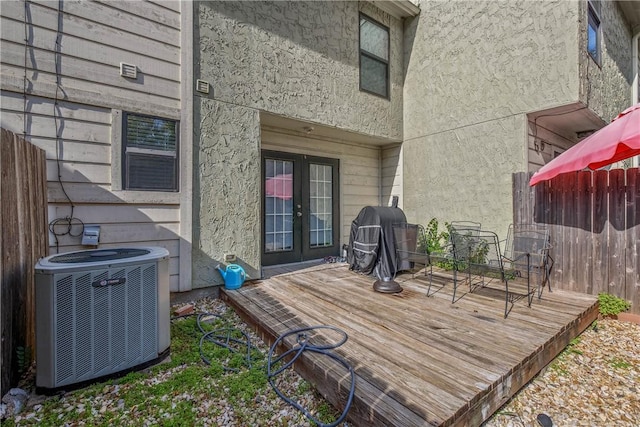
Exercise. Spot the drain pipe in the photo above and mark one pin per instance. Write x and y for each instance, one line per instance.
(634, 84)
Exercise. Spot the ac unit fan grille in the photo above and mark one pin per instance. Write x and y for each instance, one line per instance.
(98, 255)
(105, 329)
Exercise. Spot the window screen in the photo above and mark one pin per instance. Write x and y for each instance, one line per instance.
(374, 57)
(150, 153)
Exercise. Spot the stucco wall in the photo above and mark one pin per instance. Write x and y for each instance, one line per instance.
(294, 59)
(452, 177)
(226, 189)
(606, 88)
(298, 59)
(475, 68)
(473, 61)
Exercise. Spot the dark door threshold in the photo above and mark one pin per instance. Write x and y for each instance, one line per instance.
(275, 270)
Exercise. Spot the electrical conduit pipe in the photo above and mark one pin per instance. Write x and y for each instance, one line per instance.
(634, 76)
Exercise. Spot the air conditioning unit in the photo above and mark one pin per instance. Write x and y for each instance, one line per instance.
(100, 313)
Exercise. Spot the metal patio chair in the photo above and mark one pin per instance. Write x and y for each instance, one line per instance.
(411, 249)
(465, 225)
(458, 247)
(527, 256)
(478, 259)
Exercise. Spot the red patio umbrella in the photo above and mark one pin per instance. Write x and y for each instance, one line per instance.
(617, 141)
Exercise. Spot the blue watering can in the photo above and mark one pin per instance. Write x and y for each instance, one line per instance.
(233, 276)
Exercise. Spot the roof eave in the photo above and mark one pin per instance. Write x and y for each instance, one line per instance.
(397, 8)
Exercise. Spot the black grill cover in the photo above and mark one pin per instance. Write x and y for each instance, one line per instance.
(372, 248)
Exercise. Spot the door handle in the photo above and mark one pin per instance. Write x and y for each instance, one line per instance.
(298, 214)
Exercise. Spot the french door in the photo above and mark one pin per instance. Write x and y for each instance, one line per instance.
(300, 207)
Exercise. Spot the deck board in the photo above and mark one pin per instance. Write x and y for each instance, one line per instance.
(418, 360)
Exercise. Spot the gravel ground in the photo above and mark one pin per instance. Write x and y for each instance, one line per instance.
(594, 382)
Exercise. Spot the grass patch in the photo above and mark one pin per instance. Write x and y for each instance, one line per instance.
(558, 368)
(618, 363)
(244, 385)
(325, 413)
(182, 392)
(558, 365)
(304, 387)
(571, 348)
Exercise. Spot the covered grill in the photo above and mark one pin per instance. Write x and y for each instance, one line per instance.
(372, 247)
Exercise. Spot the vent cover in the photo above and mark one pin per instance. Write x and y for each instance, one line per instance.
(202, 86)
(129, 71)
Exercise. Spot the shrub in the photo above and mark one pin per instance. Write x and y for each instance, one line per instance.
(433, 241)
(610, 305)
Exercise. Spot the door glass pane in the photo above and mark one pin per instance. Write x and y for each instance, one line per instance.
(278, 206)
(321, 203)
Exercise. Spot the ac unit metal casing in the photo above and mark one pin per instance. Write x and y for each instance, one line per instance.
(99, 313)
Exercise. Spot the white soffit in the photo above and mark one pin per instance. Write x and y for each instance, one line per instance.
(631, 10)
(397, 8)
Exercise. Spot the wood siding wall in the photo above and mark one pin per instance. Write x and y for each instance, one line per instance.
(359, 169)
(544, 144)
(23, 240)
(594, 222)
(63, 88)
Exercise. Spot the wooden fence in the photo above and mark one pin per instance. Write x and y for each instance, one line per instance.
(23, 240)
(594, 222)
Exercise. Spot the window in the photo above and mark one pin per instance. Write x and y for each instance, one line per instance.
(374, 57)
(149, 153)
(594, 32)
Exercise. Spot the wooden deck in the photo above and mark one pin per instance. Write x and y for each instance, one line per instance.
(419, 360)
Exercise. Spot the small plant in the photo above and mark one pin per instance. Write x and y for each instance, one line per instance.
(559, 364)
(618, 363)
(558, 367)
(433, 241)
(325, 413)
(610, 305)
(571, 348)
(479, 253)
(304, 387)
